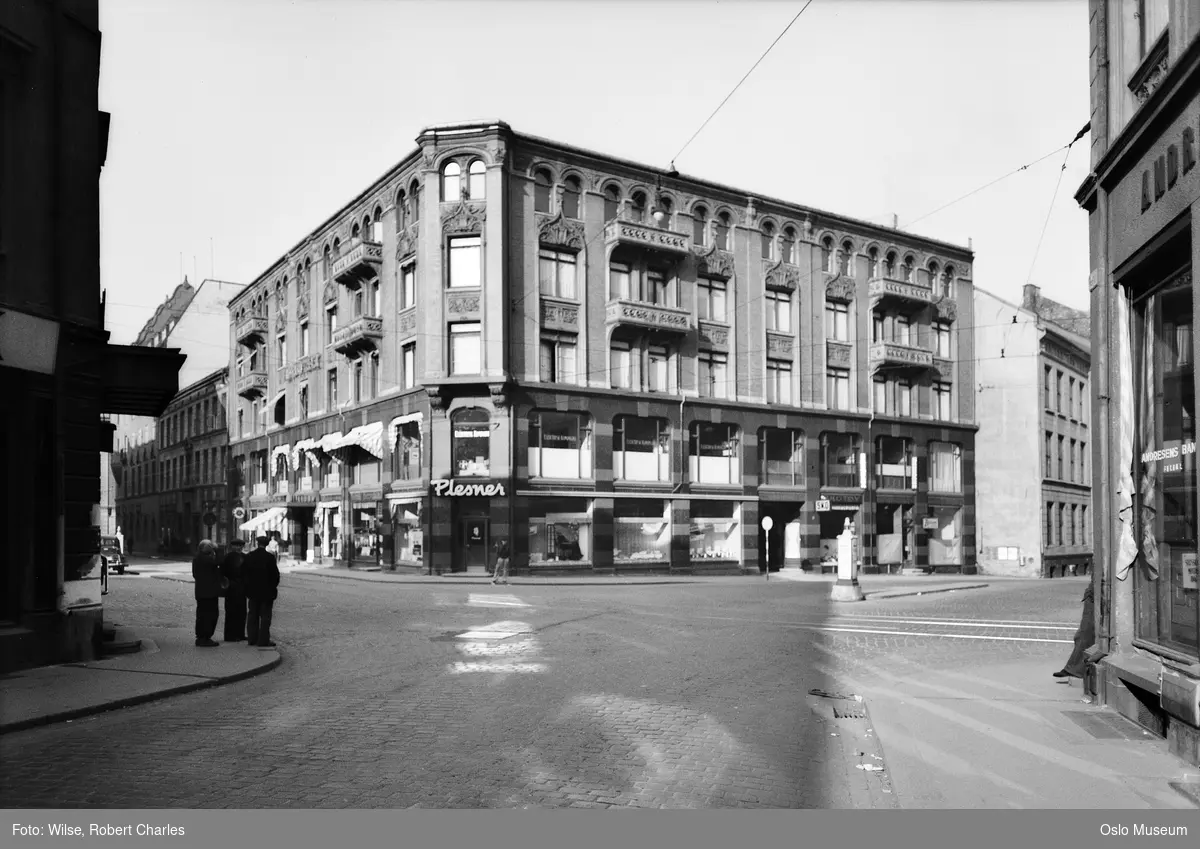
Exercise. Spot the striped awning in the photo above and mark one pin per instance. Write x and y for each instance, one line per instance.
(368, 437)
(299, 448)
(270, 520)
(325, 444)
(394, 426)
(280, 453)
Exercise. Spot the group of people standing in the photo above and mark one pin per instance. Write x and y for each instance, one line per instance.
(249, 584)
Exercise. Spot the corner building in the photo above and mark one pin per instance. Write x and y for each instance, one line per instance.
(1143, 204)
(616, 368)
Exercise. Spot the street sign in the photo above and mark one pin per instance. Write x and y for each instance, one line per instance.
(822, 505)
(27, 342)
(767, 523)
(239, 512)
(210, 519)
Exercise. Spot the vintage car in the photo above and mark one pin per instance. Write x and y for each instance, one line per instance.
(110, 550)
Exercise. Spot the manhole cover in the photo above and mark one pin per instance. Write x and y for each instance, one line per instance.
(849, 712)
(1108, 726)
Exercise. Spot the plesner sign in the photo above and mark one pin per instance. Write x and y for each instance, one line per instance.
(450, 489)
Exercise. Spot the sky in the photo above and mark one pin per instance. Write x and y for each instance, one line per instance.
(238, 126)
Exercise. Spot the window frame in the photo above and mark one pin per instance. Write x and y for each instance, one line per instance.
(465, 329)
(459, 248)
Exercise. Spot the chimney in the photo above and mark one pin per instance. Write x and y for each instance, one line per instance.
(1031, 297)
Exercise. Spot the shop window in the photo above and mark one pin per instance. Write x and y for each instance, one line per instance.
(715, 532)
(560, 445)
(714, 453)
(641, 531)
(895, 534)
(1165, 467)
(556, 273)
(840, 460)
(406, 452)
(894, 463)
(782, 453)
(366, 536)
(945, 467)
(560, 530)
(472, 438)
(641, 449)
(407, 533)
(945, 541)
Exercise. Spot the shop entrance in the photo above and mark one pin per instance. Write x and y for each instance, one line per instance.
(832, 523)
(895, 541)
(785, 536)
(471, 550)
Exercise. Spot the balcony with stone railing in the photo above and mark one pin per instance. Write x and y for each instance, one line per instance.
(360, 262)
(252, 384)
(885, 291)
(251, 330)
(640, 235)
(362, 334)
(896, 356)
(623, 312)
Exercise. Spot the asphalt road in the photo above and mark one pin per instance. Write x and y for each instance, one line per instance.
(395, 696)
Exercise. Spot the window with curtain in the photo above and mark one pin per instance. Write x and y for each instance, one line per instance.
(408, 365)
(558, 359)
(621, 366)
(556, 273)
(945, 467)
(840, 460)
(837, 321)
(710, 299)
(560, 445)
(641, 449)
(837, 388)
(779, 311)
(714, 453)
(408, 286)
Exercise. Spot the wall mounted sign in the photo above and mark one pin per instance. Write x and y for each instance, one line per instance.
(822, 505)
(450, 489)
(929, 524)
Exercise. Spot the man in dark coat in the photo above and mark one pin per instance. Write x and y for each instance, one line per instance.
(235, 595)
(1084, 637)
(260, 582)
(207, 575)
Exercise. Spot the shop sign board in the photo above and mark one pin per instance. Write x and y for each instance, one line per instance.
(452, 489)
(929, 523)
(822, 505)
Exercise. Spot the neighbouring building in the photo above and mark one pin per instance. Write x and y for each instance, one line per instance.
(1143, 201)
(616, 368)
(152, 515)
(1033, 469)
(59, 375)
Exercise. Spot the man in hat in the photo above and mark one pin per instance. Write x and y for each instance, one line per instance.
(235, 595)
(260, 583)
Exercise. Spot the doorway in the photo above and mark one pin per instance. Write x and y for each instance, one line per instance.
(472, 549)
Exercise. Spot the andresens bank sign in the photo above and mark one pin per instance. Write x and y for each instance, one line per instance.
(450, 489)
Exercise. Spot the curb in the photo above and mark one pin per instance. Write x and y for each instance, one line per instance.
(91, 710)
(567, 582)
(885, 594)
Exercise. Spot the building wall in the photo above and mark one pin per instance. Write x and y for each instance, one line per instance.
(1009, 463)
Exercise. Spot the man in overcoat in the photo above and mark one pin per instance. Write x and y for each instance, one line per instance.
(207, 575)
(260, 582)
(235, 595)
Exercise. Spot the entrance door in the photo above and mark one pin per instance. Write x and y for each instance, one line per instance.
(473, 544)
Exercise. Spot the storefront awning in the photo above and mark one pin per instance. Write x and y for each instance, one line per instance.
(368, 437)
(280, 453)
(299, 448)
(325, 443)
(139, 381)
(394, 426)
(271, 520)
(329, 505)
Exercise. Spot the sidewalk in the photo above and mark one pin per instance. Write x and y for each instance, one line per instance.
(168, 663)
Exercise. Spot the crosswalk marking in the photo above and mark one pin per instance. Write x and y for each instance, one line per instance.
(494, 642)
(479, 600)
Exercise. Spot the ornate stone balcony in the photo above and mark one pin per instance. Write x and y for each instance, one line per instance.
(253, 384)
(645, 236)
(627, 313)
(362, 334)
(884, 290)
(251, 330)
(361, 261)
(898, 357)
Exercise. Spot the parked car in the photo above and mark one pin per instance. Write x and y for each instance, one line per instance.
(110, 549)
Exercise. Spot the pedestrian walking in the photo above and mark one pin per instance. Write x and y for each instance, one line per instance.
(260, 580)
(501, 570)
(1085, 637)
(235, 593)
(207, 575)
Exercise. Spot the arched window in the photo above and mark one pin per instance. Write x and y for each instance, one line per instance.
(541, 191)
(354, 232)
(788, 253)
(948, 282)
(326, 263)
(724, 222)
(612, 203)
(700, 226)
(337, 249)
(637, 209)
(472, 442)
(906, 270)
(414, 200)
(307, 273)
(889, 265)
(572, 189)
(873, 262)
(827, 257)
(768, 240)
(377, 225)
(665, 206)
(844, 257)
(401, 210)
(933, 272)
(476, 180)
(451, 181)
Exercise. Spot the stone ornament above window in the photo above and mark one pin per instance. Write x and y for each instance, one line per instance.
(464, 217)
(302, 306)
(331, 293)
(780, 346)
(839, 288)
(560, 316)
(406, 243)
(782, 276)
(714, 262)
(946, 309)
(462, 304)
(714, 335)
(408, 322)
(838, 353)
(559, 231)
